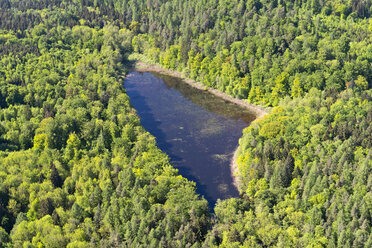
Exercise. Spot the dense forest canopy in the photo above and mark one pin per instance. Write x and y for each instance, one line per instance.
(77, 169)
(262, 50)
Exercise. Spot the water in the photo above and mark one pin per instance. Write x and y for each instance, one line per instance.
(198, 130)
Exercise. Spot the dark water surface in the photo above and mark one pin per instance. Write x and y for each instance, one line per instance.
(198, 130)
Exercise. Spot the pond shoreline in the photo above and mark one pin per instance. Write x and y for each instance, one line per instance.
(258, 111)
(143, 67)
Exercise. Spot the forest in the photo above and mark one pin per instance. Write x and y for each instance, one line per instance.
(78, 170)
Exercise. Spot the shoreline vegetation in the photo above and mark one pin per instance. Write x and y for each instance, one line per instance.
(259, 112)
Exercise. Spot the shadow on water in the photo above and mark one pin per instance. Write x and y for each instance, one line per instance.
(197, 130)
(207, 100)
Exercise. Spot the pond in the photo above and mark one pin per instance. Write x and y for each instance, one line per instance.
(196, 129)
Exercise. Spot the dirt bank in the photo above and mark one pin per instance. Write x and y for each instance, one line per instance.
(234, 169)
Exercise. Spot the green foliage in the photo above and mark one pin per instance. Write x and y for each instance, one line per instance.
(361, 83)
(315, 152)
(77, 169)
(276, 49)
(297, 90)
(271, 130)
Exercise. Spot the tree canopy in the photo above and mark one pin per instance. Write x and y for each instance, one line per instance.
(78, 170)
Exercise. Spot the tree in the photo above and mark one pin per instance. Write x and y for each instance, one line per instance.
(41, 141)
(280, 88)
(361, 83)
(4, 238)
(297, 90)
(55, 178)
